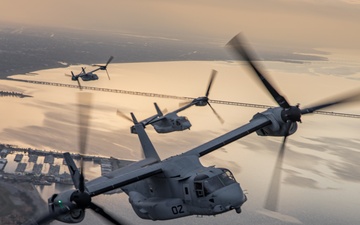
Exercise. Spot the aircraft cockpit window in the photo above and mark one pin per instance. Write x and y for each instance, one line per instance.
(205, 185)
(227, 177)
(212, 184)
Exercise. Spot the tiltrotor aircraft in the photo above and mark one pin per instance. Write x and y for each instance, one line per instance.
(88, 76)
(180, 185)
(171, 122)
(163, 123)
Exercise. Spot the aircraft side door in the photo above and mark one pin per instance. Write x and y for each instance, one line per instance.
(186, 191)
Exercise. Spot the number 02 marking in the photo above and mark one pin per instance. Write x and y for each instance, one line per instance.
(177, 209)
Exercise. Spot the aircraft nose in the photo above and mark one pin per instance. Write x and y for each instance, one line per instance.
(230, 197)
(187, 124)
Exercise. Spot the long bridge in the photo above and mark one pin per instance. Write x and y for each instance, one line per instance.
(156, 95)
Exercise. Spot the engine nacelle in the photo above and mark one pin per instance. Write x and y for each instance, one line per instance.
(278, 125)
(157, 209)
(59, 201)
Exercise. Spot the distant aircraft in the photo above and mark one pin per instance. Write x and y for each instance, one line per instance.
(163, 123)
(171, 121)
(88, 76)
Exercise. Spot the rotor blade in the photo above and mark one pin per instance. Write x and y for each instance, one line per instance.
(101, 212)
(107, 74)
(181, 104)
(74, 172)
(216, 114)
(345, 99)
(271, 202)
(272, 199)
(212, 77)
(80, 87)
(121, 114)
(237, 45)
(110, 59)
(84, 103)
(81, 178)
(104, 66)
(47, 218)
(77, 79)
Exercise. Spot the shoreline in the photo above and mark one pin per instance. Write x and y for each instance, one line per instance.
(30, 165)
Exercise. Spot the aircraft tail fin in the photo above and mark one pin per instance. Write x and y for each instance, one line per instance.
(159, 112)
(147, 146)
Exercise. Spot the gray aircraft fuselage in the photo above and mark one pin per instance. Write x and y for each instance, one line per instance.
(185, 188)
(171, 124)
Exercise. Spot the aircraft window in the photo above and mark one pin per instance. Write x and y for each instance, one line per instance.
(198, 184)
(229, 174)
(199, 188)
(227, 178)
(212, 184)
(186, 191)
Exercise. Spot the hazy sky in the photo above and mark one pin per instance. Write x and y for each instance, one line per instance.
(318, 23)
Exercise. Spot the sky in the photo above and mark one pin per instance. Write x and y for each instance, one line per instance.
(314, 23)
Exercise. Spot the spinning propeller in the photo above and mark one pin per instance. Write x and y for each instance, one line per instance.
(80, 199)
(104, 67)
(204, 100)
(290, 114)
(77, 79)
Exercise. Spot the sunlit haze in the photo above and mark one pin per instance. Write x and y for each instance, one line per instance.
(309, 49)
(325, 23)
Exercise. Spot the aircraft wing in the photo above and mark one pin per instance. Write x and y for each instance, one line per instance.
(172, 113)
(122, 170)
(254, 125)
(165, 117)
(150, 120)
(184, 107)
(157, 119)
(120, 178)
